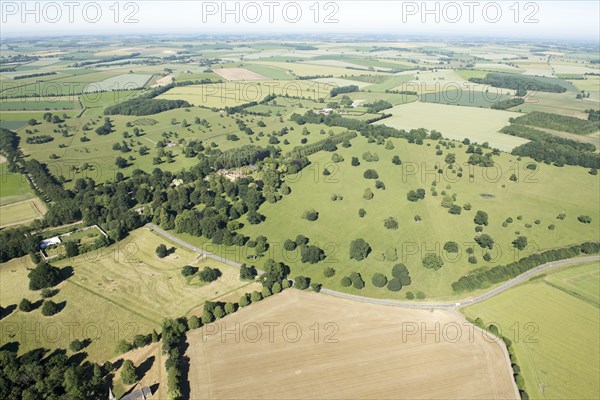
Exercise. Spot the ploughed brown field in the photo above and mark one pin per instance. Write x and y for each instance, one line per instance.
(359, 350)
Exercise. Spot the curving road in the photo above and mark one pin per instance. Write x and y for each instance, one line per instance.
(397, 303)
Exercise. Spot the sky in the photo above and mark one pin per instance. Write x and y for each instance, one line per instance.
(570, 20)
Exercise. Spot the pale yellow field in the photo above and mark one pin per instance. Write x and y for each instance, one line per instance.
(456, 122)
(361, 354)
(21, 212)
(239, 74)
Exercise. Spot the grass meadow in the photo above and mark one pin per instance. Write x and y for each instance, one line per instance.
(556, 318)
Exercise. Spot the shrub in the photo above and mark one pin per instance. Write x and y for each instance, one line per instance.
(346, 281)
(410, 295)
(188, 270)
(451, 247)
(420, 295)
(432, 261)
(584, 219)
(302, 282)
(328, 272)
(310, 215)
(76, 346)
(391, 223)
(25, 305)
(289, 245)
(209, 274)
(362, 212)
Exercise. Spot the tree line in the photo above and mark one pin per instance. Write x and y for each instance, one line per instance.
(480, 279)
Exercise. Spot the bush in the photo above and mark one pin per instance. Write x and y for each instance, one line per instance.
(193, 322)
(391, 223)
(188, 270)
(379, 280)
(394, 285)
(520, 242)
(362, 212)
(420, 295)
(49, 308)
(451, 247)
(289, 245)
(346, 281)
(410, 295)
(310, 215)
(76, 346)
(432, 261)
(584, 219)
(328, 272)
(25, 305)
(209, 274)
(301, 282)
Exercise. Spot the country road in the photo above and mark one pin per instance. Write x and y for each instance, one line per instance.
(397, 303)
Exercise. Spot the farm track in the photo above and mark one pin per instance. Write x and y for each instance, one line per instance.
(395, 303)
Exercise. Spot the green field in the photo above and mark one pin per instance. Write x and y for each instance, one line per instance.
(36, 104)
(474, 98)
(120, 291)
(270, 71)
(14, 188)
(557, 320)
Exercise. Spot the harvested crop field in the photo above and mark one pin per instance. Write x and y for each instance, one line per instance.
(347, 358)
(239, 74)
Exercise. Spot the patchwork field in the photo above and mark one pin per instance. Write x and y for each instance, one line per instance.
(556, 317)
(456, 122)
(358, 361)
